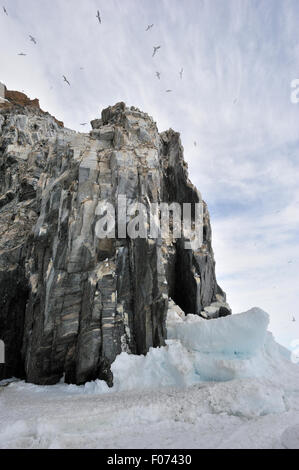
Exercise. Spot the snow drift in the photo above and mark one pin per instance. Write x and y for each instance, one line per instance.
(242, 334)
(197, 350)
(222, 383)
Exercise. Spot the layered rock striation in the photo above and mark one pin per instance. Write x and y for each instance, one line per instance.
(70, 302)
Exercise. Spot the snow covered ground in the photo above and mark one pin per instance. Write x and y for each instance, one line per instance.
(221, 383)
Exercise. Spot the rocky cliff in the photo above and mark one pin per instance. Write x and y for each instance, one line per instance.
(70, 302)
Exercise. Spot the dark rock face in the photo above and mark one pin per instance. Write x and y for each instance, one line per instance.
(70, 301)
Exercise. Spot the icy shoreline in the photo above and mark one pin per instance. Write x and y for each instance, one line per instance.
(222, 383)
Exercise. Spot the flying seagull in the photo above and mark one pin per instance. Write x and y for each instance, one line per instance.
(158, 75)
(294, 319)
(149, 27)
(168, 91)
(22, 53)
(81, 68)
(32, 39)
(5, 11)
(156, 48)
(65, 79)
(195, 143)
(99, 16)
(181, 74)
(83, 124)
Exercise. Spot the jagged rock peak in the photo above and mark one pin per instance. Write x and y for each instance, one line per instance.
(71, 301)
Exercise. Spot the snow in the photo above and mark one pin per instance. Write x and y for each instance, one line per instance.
(290, 437)
(236, 346)
(167, 366)
(240, 334)
(219, 383)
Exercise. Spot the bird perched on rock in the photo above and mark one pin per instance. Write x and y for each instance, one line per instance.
(156, 48)
(66, 80)
(149, 27)
(158, 75)
(99, 17)
(32, 39)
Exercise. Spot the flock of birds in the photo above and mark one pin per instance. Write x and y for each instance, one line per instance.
(32, 39)
(98, 16)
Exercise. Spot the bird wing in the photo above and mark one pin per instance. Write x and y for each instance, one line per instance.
(155, 49)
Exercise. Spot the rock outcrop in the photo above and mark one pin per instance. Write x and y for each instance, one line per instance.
(70, 302)
(14, 100)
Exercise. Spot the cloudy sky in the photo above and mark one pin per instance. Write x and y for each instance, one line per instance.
(239, 58)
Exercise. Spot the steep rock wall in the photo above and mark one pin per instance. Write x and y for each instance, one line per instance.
(70, 301)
